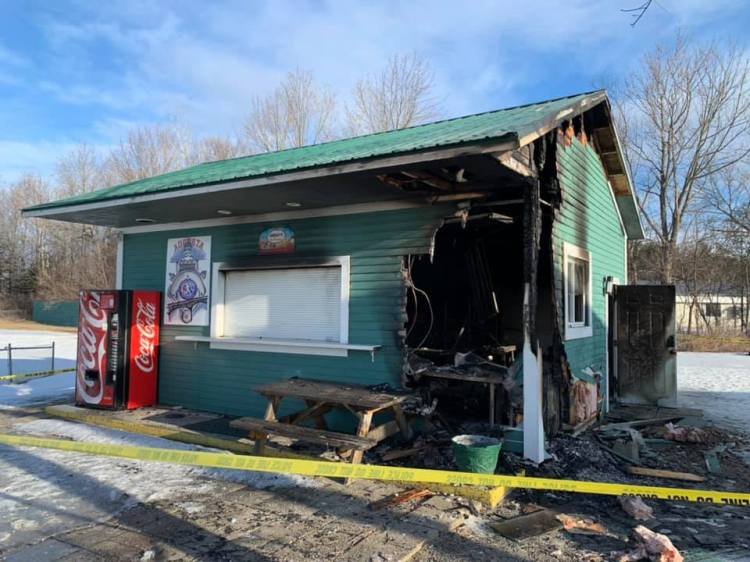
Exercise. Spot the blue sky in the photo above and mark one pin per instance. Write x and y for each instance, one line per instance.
(85, 72)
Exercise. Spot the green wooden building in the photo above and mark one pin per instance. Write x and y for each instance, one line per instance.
(333, 261)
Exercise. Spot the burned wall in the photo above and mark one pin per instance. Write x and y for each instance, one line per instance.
(588, 218)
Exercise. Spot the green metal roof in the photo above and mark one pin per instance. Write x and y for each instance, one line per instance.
(504, 124)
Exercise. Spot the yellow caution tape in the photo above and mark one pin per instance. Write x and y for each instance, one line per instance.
(36, 374)
(375, 472)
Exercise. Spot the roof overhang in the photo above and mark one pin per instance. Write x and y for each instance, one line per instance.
(363, 181)
(351, 184)
(610, 150)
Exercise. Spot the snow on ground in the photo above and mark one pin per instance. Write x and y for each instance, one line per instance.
(91, 434)
(32, 360)
(27, 392)
(44, 492)
(40, 390)
(718, 384)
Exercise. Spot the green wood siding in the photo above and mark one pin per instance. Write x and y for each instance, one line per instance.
(588, 218)
(222, 381)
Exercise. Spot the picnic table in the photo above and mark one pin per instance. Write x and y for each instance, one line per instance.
(321, 397)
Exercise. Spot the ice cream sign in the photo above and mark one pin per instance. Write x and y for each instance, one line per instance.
(277, 240)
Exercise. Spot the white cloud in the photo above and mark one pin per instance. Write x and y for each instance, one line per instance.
(10, 58)
(141, 61)
(12, 64)
(208, 60)
(18, 158)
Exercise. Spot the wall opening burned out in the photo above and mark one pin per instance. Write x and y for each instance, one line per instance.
(464, 312)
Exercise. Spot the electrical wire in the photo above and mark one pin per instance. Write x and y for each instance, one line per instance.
(410, 284)
(415, 291)
(432, 318)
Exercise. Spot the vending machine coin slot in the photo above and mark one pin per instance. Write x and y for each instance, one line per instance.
(114, 346)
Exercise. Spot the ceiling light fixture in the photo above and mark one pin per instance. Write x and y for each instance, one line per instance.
(293, 204)
(224, 212)
(145, 221)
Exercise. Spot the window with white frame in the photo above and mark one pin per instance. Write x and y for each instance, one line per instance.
(281, 301)
(578, 292)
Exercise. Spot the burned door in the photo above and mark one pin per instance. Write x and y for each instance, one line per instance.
(644, 344)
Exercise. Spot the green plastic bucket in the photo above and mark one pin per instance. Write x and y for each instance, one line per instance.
(476, 453)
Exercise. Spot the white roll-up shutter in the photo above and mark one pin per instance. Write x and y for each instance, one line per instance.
(294, 303)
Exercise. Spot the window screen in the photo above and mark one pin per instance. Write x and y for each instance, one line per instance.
(293, 303)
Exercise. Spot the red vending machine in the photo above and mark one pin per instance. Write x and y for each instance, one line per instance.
(118, 349)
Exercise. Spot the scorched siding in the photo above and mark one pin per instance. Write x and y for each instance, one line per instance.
(197, 377)
(589, 219)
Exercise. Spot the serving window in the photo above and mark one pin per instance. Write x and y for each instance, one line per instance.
(301, 303)
(281, 305)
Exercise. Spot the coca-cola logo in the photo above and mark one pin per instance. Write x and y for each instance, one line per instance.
(145, 322)
(91, 346)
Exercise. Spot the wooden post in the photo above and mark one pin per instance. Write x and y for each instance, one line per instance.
(362, 431)
(403, 425)
(272, 408)
(492, 404)
(272, 411)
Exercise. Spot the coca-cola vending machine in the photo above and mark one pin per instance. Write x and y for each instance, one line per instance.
(118, 349)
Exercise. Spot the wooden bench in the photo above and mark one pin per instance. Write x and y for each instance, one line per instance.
(320, 397)
(261, 429)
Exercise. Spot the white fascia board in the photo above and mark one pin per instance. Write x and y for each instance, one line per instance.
(576, 109)
(640, 233)
(617, 210)
(119, 262)
(280, 216)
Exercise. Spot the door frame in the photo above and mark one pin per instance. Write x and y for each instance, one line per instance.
(610, 349)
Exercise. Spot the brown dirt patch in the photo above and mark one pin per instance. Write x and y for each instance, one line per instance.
(19, 324)
(732, 344)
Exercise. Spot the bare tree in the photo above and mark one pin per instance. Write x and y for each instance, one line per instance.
(211, 149)
(401, 95)
(687, 118)
(80, 171)
(23, 248)
(53, 260)
(151, 150)
(297, 113)
(728, 196)
(637, 12)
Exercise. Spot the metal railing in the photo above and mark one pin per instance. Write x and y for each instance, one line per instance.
(10, 348)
